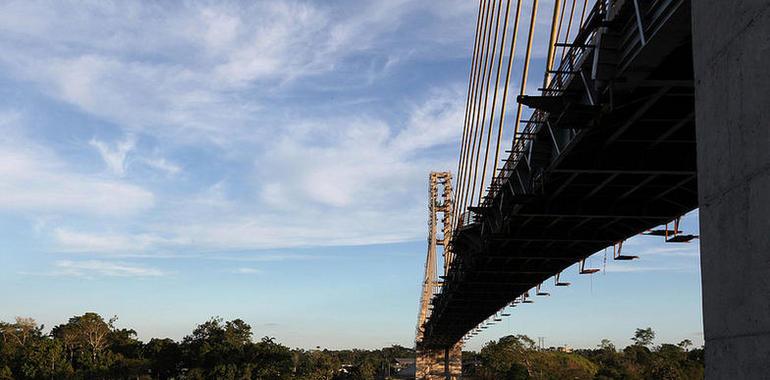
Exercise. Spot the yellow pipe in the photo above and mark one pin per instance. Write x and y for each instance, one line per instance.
(552, 42)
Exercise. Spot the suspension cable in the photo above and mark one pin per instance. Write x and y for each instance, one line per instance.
(525, 70)
(494, 98)
(486, 102)
(551, 42)
(558, 33)
(467, 106)
(505, 89)
(474, 129)
(583, 13)
(472, 107)
(566, 35)
(483, 47)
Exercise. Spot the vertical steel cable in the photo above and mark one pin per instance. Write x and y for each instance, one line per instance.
(558, 33)
(474, 129)
(551, 42)
(472, 162)
(494, 98)
(483, 47)
(525, 71)
(583, 14)
(569, 27)
(505, 89)
(467, 106)
(484, 111)
(474, 85)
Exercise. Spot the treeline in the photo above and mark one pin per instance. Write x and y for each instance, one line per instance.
(90, 347)
(517, 357)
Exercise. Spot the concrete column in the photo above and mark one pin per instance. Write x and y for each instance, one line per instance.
(441, 364)
(731, 50)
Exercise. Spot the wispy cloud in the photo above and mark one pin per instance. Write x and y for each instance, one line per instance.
(122, 153)
(35, 179)
(246, 270)
(100, 268)
(214, 88)
(123, 62)
(358, 188)
(70, 240)
(163, 165)
(115, 157)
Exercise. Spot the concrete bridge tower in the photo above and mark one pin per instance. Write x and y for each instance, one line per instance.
(446, 363)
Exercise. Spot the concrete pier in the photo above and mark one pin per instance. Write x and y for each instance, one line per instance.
(440, 364)
(731, 51)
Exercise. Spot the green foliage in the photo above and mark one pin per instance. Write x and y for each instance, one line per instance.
(516, 357)
(90, 347)
(5, 373)
(164, 357)
(643, 337)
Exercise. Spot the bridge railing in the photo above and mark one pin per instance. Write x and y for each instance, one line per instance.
(571, 61)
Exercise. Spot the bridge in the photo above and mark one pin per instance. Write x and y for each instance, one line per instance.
(637, 121)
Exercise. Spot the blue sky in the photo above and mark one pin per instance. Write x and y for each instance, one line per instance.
(268, 161)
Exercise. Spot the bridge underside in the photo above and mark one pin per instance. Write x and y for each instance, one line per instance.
(616, 157)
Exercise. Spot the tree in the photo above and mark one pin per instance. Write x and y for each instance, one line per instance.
(269, 360)
(607, 345)
(237, 333)
(164, 356)
(510, 351)
(5, 373)
(91, 331)
(88, 347)
(685, 344)
(21, 332)
(365, 370)
(124, 342)
(44, 359)
(67, 335)
(28, 354)
(224, 350)
(643, 337)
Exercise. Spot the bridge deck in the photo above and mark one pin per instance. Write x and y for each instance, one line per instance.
(611, 155)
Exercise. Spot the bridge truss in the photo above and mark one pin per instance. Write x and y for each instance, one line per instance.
(603, 151)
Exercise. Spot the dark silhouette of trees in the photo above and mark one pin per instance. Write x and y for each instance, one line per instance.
(26, 353)
(90, 347)
(643, 337)
(516, 357)
(164, 357)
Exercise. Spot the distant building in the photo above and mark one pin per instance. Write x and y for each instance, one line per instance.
(403, 368)
(346, 368)
(564, 348)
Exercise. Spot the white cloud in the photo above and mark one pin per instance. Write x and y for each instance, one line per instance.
(346, 181)
(35, 179)
(361, 163)
(99, 268)
(246, 270)
(199, 74)
(162, 164)
(70, 240)
(184, 71)
(115, 157)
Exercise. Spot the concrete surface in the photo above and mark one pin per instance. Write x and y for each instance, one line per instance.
(731, 48)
